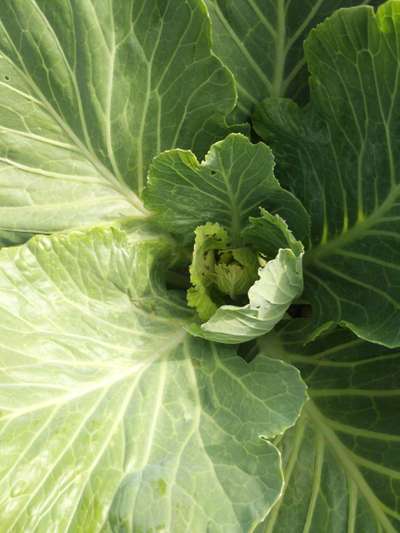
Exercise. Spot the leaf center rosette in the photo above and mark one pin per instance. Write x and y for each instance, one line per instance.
(245, 263)
(218, 270)
(242, 293)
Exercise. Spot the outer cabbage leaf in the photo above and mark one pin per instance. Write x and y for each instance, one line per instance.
(112, 417)
(341, 461)
(261, 41)
(339, 157)
(234, 180)
(280, 283)
(89, 93)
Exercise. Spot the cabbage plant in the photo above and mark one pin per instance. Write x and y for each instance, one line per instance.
(199, 266)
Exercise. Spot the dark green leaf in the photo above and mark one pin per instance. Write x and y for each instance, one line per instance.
(339, 156)
(261, 41)
(341, 461)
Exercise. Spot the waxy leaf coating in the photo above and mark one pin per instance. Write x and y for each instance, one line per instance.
(112, 416)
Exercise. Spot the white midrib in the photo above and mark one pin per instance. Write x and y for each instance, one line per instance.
(344, 459)
(123, 373)
(116, 184)
(82, 390)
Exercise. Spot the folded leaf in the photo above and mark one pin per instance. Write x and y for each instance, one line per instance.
(339, 157)
(341, 461)
(89, 93)
(261, 41)
(280, 283)
(112, 417)
(267, 233)
(234, 180)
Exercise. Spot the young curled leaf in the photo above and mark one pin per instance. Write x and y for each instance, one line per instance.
(279, 283)
(217, 270)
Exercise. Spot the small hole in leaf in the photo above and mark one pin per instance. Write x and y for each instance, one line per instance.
(213, 172)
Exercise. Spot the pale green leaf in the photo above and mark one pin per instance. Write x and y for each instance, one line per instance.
(208, 238)
(234, 180)
(112, 417)
(218, 271)
(89, 93)
(261, 41)
(341, 461)
(280, 283)
(339, 156)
